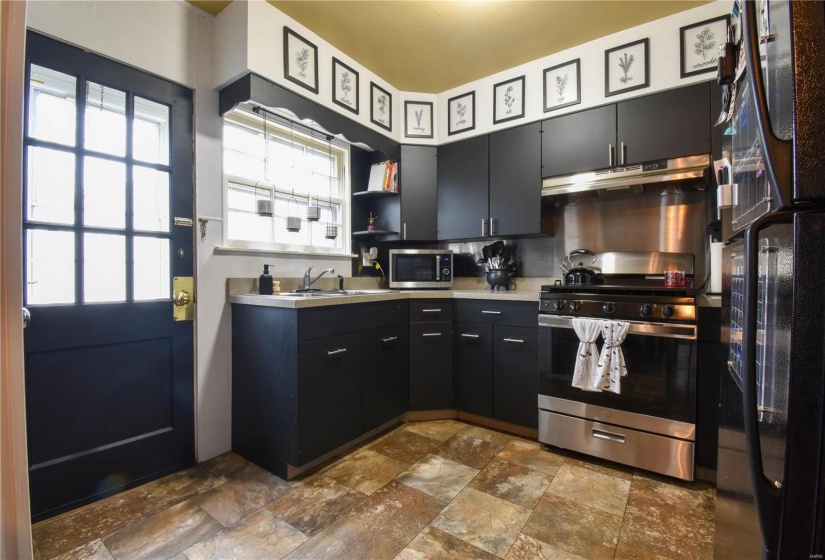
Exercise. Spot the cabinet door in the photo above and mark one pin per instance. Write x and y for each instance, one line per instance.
(579, 142)
(665, 125)
(386, 374)
(419, 193)
(431, 366)
(329, 394)
(463, 188)
(474, 368)
(515, 375)
(515, 180)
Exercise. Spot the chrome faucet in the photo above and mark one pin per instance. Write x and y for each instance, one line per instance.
(308, 282)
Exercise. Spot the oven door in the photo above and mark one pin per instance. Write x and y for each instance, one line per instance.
(661, 368)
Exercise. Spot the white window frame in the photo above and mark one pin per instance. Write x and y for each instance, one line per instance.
(255, 123)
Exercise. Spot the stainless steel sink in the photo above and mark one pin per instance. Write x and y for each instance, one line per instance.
(366, 292)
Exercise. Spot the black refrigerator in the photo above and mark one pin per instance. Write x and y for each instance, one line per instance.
(770, 500)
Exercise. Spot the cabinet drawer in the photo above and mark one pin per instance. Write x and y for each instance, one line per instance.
(431, 311)
(319, 322)
(511, 313)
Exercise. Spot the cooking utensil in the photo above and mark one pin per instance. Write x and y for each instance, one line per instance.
(581, 274)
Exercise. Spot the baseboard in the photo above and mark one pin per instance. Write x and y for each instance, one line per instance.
(426, 415)
(515, 429)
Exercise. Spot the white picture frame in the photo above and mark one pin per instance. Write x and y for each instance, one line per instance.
(461, 113)
(418, 119)
(627, 67)
(562, 85)
(508, 100)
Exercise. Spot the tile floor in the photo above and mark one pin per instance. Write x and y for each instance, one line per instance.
(440, 489)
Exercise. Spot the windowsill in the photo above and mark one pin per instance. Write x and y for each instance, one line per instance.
(302, 254)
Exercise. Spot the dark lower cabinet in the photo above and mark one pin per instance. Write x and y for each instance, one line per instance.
(386, 374)
(431, 366)
(515, 375)
(329, 394)
(473, 370)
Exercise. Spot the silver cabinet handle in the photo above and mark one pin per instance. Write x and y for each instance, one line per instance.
(610, 154)
(517, 340)
(623, 154)
(333, 352)
(492, 312)
(27, 317)
(492, 226)
(483, 227)
(405, 231)
(431, 311)
(601, 434)
(465, 335)
(431, 334)
(390, 339)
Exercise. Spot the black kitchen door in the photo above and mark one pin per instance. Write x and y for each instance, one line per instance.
(107, 210)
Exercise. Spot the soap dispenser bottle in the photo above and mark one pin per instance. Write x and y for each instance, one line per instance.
(265, 282)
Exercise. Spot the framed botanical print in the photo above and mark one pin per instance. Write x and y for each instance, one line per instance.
(461, 113)
(418, 119)
(300, 61)
(562, 85)
(508, 100)
(626, 67)
(380, 106)
(344, 86)
(699, 45)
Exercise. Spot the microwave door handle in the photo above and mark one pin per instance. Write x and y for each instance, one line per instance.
(777, 153)
(767, 493)
(437, 269)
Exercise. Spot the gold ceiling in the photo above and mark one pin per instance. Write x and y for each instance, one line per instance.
(432, 46)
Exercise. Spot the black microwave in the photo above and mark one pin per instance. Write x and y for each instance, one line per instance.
(421, 268)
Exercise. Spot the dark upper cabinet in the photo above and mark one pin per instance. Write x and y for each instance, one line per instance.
(579, 142)
(515, 181)
(386, 374)
(431, 366)
(463, 188)
(419, 193)
(473, 350)
(670, 124)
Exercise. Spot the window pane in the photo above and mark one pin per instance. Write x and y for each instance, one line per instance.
(50, 186)
(104, 267)
(285, 206)
(52, 106)
(249, 227)
(151, 132)
(49, 267)
(151, 199)
(105, 120)
(104, 193)
(151, 259)
(241, 165)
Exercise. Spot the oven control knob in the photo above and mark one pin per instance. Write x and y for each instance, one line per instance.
(667, 311)
(646, 309)
(609, 308)
(558, 305)
(575, 305)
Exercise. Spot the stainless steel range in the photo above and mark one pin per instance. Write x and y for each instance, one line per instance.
(650, 424)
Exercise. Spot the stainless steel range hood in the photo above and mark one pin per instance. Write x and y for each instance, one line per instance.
(691, 167)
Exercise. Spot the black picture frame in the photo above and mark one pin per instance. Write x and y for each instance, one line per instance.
(457, 113)
(385, 123)
(502, 96)
(549, 73)
(718, 35)
(634, 49)
(418, 129)
(304, 78)
(341, 99)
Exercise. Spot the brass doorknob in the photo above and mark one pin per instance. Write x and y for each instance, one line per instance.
(181, 298)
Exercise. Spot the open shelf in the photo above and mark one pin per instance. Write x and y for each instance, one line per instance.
(374, 194)
(375, 232)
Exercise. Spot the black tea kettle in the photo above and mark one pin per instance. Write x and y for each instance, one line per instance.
(580, 274)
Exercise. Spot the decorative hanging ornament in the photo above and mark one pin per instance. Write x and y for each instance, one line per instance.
(313, 212)
(293, 223)
(264, 206)
(331, 231)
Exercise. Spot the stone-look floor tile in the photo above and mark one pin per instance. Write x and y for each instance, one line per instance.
(250, 490)
(600, 466)
(75, 528)
(488, 435)
(514, 483)
(366, 471)
(442, 430)
(573, 527)
(675, 493)
(226, 466)
(528, 548)
(487, 522)
(315, 504)
(347, 538)
(438, 477)
(164, 534)
(94, 550)
(405, 446)
(260, 535)
(591, 488)
(472, 451)
(532, 456)
(435, 544)
(626, 552)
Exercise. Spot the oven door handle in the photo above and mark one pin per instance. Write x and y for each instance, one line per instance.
(663, 330)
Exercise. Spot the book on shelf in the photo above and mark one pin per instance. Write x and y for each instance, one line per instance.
(383, 177)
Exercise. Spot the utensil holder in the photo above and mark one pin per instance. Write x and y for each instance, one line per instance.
(499, 278)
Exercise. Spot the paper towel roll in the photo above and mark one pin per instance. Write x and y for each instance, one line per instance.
(716, 267)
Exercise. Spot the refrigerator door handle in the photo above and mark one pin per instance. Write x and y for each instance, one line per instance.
(777, 153)
(767, 493)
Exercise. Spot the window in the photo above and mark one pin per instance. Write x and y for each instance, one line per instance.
(300, 166)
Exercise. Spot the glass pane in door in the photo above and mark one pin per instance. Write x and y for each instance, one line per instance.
(50, 186)
(105, 120)
(150, 130)
(150, 199)
(50, 267)
(104, 268)
(151, 260)
(52, 113)
(104, 193)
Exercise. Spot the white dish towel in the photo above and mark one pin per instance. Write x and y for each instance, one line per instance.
(587, 360)
(611, 366)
